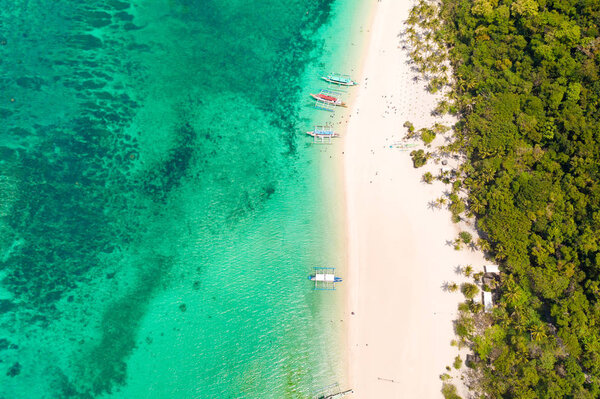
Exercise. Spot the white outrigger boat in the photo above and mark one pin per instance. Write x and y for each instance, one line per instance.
(325, 278)
(339, 79)
(322, 134)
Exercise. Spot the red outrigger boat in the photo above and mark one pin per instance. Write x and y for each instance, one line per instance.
(327, 99)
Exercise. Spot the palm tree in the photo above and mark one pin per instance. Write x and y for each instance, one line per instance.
(518, 321)
(412, 19)
(416, 57)
(477, 207)
(410, 31)
(428, 47)
(500, 252)
(428, 11)
(484, 245)
(538, 332)
(468, 270)
(469, 290)
(512, 296)
(442, 107)
(594, 288)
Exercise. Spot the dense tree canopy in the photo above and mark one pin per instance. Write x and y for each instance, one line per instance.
(526, 89)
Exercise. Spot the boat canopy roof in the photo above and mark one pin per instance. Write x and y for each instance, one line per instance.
(339, 78)
(325, 277)
(324, 132)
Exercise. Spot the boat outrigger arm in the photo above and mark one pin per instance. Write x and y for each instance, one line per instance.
(332, 391)
(337, 395)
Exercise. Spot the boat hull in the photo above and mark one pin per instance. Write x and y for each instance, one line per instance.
(335, 280)
(313, 134)
(337, 82)
(335, 101)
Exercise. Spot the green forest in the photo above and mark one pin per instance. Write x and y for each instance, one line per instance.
(524, 84)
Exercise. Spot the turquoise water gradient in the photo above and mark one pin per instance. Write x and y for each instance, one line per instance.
(160, 206)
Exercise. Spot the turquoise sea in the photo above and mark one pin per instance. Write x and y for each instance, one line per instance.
(160, 204)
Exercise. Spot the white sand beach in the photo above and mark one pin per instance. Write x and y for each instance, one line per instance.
(400, 318)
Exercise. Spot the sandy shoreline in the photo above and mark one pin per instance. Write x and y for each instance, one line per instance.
(400, 318)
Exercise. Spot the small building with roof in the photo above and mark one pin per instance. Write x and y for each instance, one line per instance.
(487, 300)
(491, 269)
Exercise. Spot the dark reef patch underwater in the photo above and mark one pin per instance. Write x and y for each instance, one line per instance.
(146, 150)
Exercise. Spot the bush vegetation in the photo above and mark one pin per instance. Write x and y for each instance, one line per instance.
(457, 362)
(428, 177)
(449, 391)
(469, 290)
(419, 158)
(465, 237)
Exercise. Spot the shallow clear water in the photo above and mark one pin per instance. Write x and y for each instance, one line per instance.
(159, 209)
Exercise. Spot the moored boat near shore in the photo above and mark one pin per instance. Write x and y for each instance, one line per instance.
(322, 133)
(339, 79)
(324, 278)
(328, 98)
